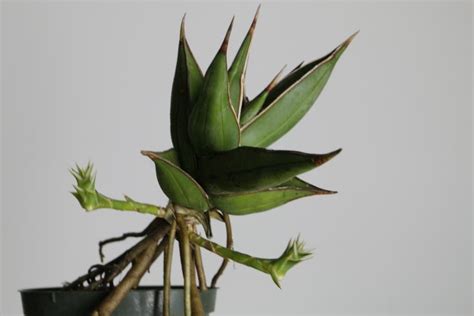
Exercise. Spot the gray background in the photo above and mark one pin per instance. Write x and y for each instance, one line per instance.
(92, 80)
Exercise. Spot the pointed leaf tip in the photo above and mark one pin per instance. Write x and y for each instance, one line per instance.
(321, 159)
(255, 19)
(353, 35)
(275, 80)
(150, 154)
(297, 67)
(182, 30)
(321, 191)
(349, 40)
(328, 192)
(225, 42)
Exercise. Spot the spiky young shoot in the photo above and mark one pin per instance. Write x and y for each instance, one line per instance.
(276, 268)
(90, 199)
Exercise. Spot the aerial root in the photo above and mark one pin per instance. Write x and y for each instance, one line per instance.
(102, 275)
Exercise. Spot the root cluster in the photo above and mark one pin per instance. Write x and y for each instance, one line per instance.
(157, 238)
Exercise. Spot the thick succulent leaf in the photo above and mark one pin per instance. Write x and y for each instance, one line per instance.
(250, 168)
(253, 107)
(299, 183)
(171, 155)
(238, 68)
(213, 124)
(244, 203)
(277, 268)
(187, 82)
(290, 100)
(177, 184)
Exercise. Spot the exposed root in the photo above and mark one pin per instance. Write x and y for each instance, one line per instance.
(185, 254)
(139, 266)
(159, 236)
(197, 256)
(143, 233)
(168, 259)
(196, 303)
(102, 276)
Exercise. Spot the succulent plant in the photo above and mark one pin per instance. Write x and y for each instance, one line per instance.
(219, 165)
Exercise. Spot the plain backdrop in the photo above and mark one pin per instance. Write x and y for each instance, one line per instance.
(91, 81)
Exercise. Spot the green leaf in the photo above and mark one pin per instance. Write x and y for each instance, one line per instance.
(253, 107)
(301, 184)
(238, 68)
(213, 124)
(187, 82)
(171, 155)
(244, 203)
(177, 184)
(290, 100)
(250, 168)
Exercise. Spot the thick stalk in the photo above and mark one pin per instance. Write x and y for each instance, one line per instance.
(261, 264)
(200, 268)
(154, 237)
(229, 245)
(185, 252)
(131, 205)
(168, 258)
(197, 256)
(196, 303)
(139, 267)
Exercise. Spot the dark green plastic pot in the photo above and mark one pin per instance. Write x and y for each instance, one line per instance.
(143, 301)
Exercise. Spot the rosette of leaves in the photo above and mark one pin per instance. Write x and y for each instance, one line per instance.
(219, 165)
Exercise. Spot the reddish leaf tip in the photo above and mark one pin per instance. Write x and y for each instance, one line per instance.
(255, 19)
(225, 42)
(350, 38)
(321, 159)
(182, 32)
(320, 191)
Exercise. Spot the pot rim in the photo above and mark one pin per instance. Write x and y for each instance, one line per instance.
(138, 289)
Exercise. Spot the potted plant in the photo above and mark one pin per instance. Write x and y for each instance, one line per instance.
(219, 167)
